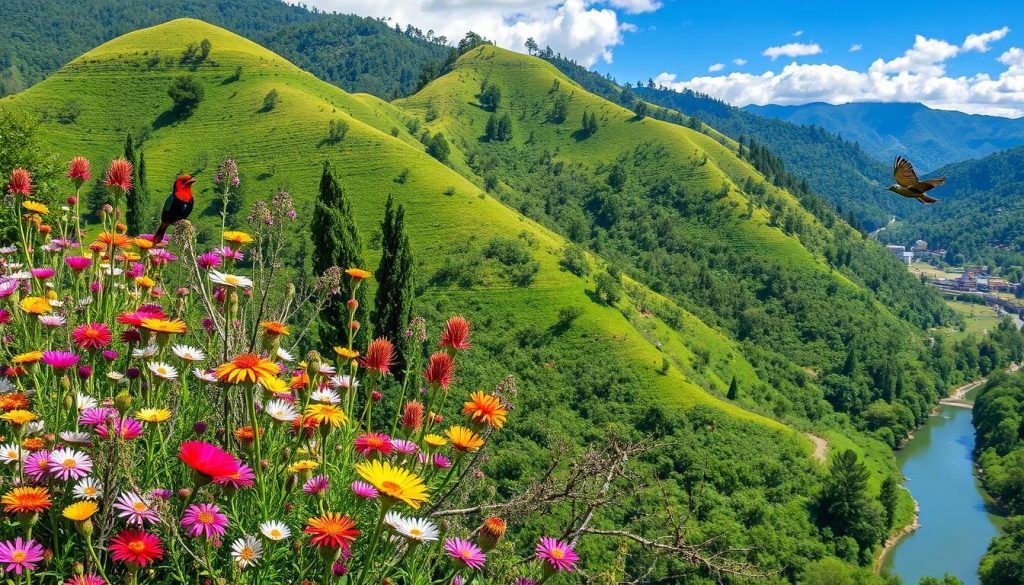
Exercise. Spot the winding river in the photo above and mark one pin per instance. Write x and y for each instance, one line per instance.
(956, 527)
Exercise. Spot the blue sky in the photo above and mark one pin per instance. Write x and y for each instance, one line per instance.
(953, 55)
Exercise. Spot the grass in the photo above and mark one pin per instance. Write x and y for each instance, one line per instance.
(122, 87)
(978, 319)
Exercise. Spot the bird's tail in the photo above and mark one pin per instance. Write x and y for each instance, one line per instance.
(159, 235)
(926, 199)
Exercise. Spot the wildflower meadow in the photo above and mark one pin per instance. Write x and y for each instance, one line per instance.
(160, 426)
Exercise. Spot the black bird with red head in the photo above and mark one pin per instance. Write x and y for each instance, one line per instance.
(177, 207)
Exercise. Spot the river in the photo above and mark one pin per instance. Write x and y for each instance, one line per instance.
(956, 526)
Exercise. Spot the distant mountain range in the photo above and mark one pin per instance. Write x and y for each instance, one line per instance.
(930, 138)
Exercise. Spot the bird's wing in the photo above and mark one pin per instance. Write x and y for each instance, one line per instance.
(926, 199)
(904, 173)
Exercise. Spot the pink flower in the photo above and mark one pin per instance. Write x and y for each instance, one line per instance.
(241, 477)
(36, 465)
(92, 335)
(204, 520)
(60, 360)
(442, 461)
(368, 443)
(96, 416)
(364, 491)
(20, 555)
(557, 555)
(43, 273)
(124, 427)
(119, 175)
(465, 552)
(78, 170)
(68, 464)
(317, 485)
(404, 446)
(78, 263)
(136, 509)
(456, 333)
(208, 260)
(21, 182)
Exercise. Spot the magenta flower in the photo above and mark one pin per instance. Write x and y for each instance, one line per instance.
(442, 461)
(230, 254)
(316, 485)
(92, 335)
(68, 464)
(109, 355)
(204, 520)
(161, 494)
(161, 256)
(61, 360)
(78, 263)
(36, 465)
(368, 443)
(125, 427)
(364, 491)
(208, 260)
(405, 447)
(242, 477)
(43, 273)
(7, 287)
(557, 555)
(135, 509)
(20, 555)
(96, 416)
(465, 552)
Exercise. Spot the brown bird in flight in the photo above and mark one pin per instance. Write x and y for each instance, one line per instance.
(908, 185)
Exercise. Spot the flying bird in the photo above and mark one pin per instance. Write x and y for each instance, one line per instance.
(177, 207)
(908, 185)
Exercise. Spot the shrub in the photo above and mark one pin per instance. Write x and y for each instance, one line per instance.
(438, 147)
(337, 130)
(186, 92)
(574, 259)
(568, 314)
(270, 100)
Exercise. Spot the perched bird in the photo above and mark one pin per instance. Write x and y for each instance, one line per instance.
(908, 185)
(177, 207)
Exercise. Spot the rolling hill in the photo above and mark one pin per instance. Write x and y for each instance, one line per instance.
(687, 269)
(930, 138)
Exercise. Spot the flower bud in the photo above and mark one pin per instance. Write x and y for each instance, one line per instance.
(352, 304)
(376, 396)
(72, 200)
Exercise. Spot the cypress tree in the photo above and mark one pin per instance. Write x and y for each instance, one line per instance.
(734, 389)
(132, 213)
(889, 499)
(392, 307)
(139, 195)
(335, 243)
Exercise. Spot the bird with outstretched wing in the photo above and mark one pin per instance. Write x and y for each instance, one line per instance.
(908, 185)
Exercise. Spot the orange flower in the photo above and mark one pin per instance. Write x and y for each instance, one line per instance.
(35, 305)
(358, 273)
(114, 239)
(464, 439)
(349, 354)
(26, 500)
(332, 530)
(246, 433)
(486, 409)
(27, 358)
(246, 369)
(164, 325)
(274, 328)
(144, 282)
(143, 243)
(13, 401)
(33, 444)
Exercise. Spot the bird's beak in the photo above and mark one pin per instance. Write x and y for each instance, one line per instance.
(190, 181)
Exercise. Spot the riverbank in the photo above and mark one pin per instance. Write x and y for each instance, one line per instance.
(896, 537)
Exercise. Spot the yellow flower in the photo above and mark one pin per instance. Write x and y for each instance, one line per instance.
(464, 439)
(349, 354)
(144, 282)
(435, 440)
(238, 238)
(130, 256)
(394, 483)
(153, 415)
(326, 414)
(19, 417)
(303, 465)
(358, 273)
(164, 325)
(35, 305)
(80, 511)
(275, 385)
(246, 369)
(27, 358)
(35, 207)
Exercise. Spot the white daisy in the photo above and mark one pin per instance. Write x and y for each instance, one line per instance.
(205, 376)
(326, 369)
(284, 355)
(417, 529)
(84, 401)
(163, 370)
(88, 489)
(394, 519)
(6, 386)
(275, 530)
(232, 280)
(342, 381)
(76, 437)
(144, 352)
(32, 427)
(188, 353)
(9, 453)
(106, 268)
(20, 275)
(247, 551)
(281, 410)
(115, 376)
(325, 395)
(84, 301)
(52, 320)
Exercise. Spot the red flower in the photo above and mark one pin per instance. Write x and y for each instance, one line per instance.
(119, 174)
(412, 415)
(136, 546)
(208, 460)
(440, 369)
(21, 182)
(332, 530)
(380, 356)
(78, 170)
(456, 333)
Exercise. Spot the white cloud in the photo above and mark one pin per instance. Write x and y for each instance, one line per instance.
(855, 47)
(716, 67)
(919, 75)
(636, 6)
(798, 33)
(792, 50)
(979, 42)
(740, 62)
(584, 30)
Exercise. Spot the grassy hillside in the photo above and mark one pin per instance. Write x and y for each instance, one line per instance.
(639, 367)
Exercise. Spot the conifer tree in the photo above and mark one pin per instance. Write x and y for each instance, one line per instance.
(335, 243)
(392, 306)
(139, 195)
(734, 389)
(132, 212)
